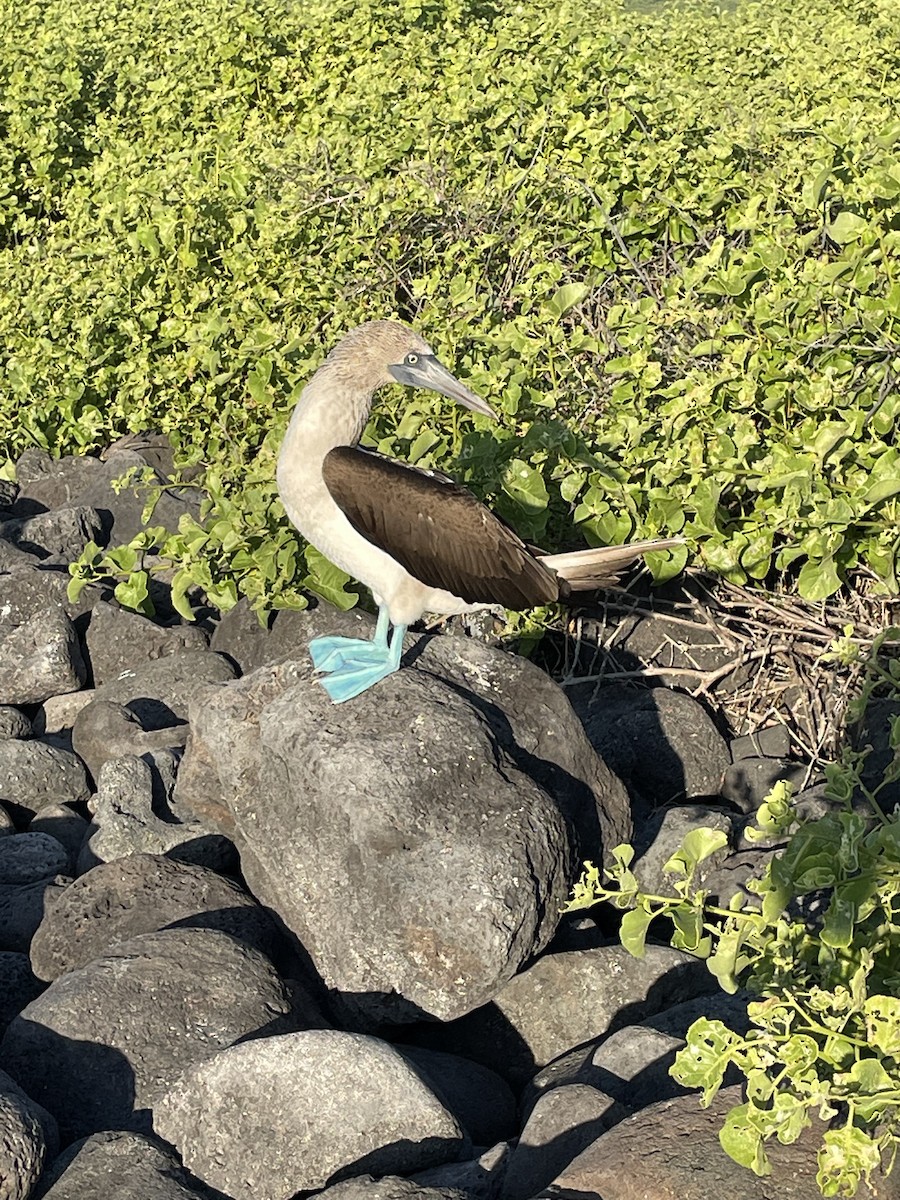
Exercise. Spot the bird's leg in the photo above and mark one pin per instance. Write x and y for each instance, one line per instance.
(332, 653)
(354, 676)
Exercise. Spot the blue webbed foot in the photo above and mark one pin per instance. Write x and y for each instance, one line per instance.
(333, 653)
(354, 677)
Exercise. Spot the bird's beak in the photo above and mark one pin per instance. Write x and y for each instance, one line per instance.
(429, 373)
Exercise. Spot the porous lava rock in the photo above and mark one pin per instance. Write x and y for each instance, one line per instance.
(141, 894)
(116, 1165)
(103, 1042)
(421, 849)
(269, 1118)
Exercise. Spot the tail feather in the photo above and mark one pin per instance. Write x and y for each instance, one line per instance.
(583, 570)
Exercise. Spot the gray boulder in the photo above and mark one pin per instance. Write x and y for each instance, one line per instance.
(671, 1151)
(748, 781)
(28, 857)
(370, 829)
(104, 1042)
(664, 743)
(159, 692)
(104, 730)
(481, 1101)
(124, 822)
(62, 533)
(33, 774)
(27, 590)
(563, 1122)
(296, 1088)
(45, 483)
(13, 723)
(479, 1178)
(564, 1000)
(388, 1187)
(664, 833)
(40, 658)
(24, 1147)
(65, 826)
(118, 641)
(116, 1165)
(141, 894)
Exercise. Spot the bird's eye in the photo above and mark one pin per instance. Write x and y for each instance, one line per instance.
(412, 359)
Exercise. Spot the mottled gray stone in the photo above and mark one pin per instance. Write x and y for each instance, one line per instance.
(140, 894)
(420, 860)
(388, 1187)
(13, 723)
(664, 743)
(29, 590)
(123, 822)
(564, 1000)
(62, 533)
(7, 825)
(563, 1122)
(104, 730)
(22, 908)
(23, 1144)
(103, 1042)
(46, 483)
(664, 833)
(481, 1101)
(40, 658)
(115, 1165)
(748, 781)
(28, 857)
(66, 826)
(773, 741)
(118, 640)
(671, 1151)
(33, 774)
(479, 1178)
(296, 1087)
(159, 692)
(631, 1066)
(57, 714)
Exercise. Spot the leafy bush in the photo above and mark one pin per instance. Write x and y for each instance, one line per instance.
(826, 1036)
(664, 246)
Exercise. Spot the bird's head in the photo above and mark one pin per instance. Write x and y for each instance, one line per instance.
(382, 352)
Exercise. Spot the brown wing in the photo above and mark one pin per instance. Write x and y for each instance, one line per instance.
(436, 529)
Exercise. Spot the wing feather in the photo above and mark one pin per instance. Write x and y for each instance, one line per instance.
(436, 529)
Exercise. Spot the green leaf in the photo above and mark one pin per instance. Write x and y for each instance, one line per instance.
(818, 579)
(846, 227)
(741, 1140)
(566, 297)
(525, 485)
(633, 931)
(882, 1015)
(328, 581)
(706, 1057)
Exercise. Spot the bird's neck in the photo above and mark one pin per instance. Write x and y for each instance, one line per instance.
(329, 413)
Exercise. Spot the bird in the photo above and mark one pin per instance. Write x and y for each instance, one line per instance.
(418, 540)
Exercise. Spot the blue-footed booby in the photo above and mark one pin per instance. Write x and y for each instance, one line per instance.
(419, 541)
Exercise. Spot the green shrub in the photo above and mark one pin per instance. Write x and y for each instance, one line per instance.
(664, 246)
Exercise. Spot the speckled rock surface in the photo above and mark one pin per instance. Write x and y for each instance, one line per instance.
(295, 1087)
(141, 894)
(102, 1043)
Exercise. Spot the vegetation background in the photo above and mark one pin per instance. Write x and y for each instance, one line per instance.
(662, 240)
(664, 245)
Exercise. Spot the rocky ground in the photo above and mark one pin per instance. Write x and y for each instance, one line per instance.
(254, 945)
